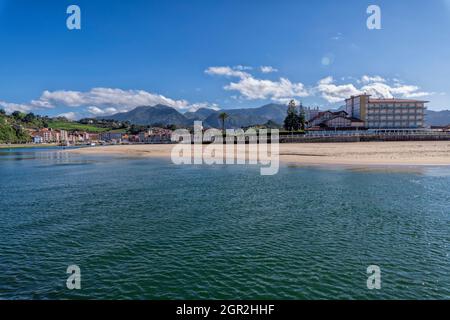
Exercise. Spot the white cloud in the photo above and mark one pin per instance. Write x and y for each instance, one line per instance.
(415, 95)
(369, 79)
(107, 101)
(98, 101)
(11, 107)
(41, 104)
(242, 68)
(194, 107)
(251, 88)
(378, 90)
(327, 80)
(376, 86)
(122, 100)
(68, 115)
(333, 93)
(96, 111)
(382, 90)
(268, 69)
(227, 71)
(408, 91)
(283, 90)
(63, 97)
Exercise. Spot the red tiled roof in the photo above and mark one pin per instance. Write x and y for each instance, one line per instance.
(322, 113)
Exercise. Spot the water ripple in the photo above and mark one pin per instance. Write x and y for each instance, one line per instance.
(144, 229)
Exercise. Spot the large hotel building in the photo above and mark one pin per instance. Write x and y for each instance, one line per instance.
(387, 113)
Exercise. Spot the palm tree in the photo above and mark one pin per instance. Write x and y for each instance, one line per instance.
(223, 116)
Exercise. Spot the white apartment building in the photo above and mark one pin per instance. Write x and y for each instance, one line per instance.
(387, 113)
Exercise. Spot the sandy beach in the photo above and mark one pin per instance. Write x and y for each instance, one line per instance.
(362, 153)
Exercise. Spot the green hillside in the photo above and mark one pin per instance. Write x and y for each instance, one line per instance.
(14, 128)
(11, 132)
(74, 126)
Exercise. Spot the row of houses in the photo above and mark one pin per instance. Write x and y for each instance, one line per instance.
(47, 135)
(154, 135)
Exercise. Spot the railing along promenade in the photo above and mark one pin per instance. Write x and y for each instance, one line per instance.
(360, 136)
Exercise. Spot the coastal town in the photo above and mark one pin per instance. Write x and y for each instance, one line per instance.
(63, 137)
(361, 115)
(224, 159)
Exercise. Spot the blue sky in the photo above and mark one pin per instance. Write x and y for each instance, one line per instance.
(195, 53)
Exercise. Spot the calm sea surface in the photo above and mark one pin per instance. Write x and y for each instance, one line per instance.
(147, 229)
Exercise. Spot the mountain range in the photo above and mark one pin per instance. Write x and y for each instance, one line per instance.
(237, 118)
(437, 118)
(163, 115)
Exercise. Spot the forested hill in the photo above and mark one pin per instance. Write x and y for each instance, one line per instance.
(11, 131)
(17, 127)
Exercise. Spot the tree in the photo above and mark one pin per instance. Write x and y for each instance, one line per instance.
(17, 115)
(2, 112)
(30, 117)
(171, 127)
(302, 118)
(293, 119)
(272, 125)
(22, 135)
(223, 116)
(136, 129)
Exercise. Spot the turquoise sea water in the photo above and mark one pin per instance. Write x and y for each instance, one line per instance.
(147, 229)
